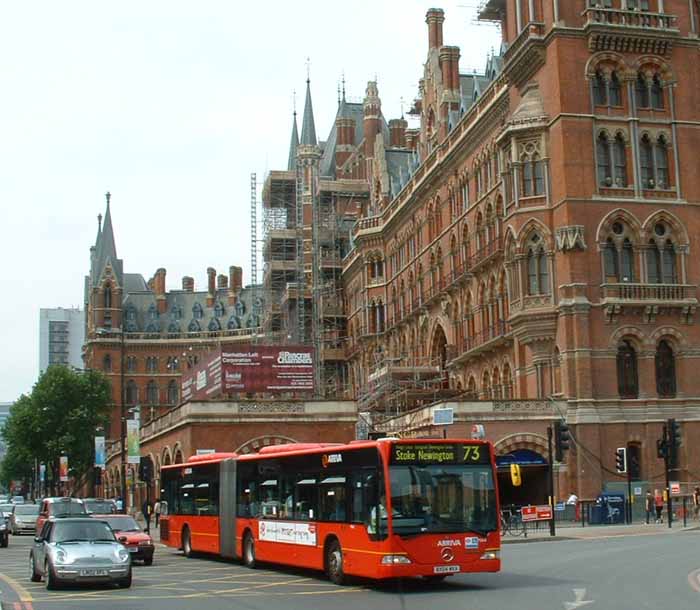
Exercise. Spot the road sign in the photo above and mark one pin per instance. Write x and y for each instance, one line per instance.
(443, 417)
(536, 513)
(675, 488)
(637, 491)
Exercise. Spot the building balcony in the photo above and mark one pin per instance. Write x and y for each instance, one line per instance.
(526, 54)
(488, 339)
(612, 29)
(486, 253)
(678, 295)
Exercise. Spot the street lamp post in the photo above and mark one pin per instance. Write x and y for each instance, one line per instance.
(122, 420)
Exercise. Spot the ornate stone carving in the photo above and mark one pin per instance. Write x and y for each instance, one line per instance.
(570, 238)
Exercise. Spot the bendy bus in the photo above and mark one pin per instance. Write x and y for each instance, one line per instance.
(377, 509)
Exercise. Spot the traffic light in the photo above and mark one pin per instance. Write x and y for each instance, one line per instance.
(562, 439)
(621, 459)
(674, 441)
(661, 448)
(145, 469)
(97, 475)
(515, 477)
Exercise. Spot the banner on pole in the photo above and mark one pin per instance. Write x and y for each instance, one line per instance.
(100, 452)
(63, 468)
(42, 472)
(132, 441)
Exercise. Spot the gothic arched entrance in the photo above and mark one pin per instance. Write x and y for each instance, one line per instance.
(438, 353)
(529, 451)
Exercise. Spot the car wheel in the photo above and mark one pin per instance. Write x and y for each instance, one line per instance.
(125, 582)
(187, 542)
(148, 561)
(34, 576)
(334, 563)
(52, 582)
(249, 551)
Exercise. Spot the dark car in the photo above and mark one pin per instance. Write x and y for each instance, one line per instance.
(130, 534)
(78, 550)
(4, 532)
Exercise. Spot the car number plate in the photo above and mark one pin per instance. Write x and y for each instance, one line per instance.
(445, 569)
(93, 572)
(133, 549)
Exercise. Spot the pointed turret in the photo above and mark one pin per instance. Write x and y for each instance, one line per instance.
(308, 129)
(291, 162)
(106, 249)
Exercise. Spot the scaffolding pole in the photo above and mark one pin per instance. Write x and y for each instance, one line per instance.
(300, 272)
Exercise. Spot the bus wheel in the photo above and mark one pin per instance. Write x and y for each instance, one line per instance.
(334, 563)
(186, 542)
(249, 551)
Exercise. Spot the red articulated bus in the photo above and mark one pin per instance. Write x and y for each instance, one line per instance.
(377, 509)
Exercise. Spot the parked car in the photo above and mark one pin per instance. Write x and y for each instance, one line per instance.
(24, 518)
(130, 534)
(17, 500)
(59, 507)
(4, 533)
(78, 549)
(100, 506)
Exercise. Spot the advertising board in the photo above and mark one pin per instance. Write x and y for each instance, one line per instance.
(267, 368)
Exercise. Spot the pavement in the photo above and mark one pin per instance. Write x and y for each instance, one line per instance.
(628, 568)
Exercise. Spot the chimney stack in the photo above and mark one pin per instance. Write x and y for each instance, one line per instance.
(188, 283)
(211, 286)
(159, 289)
(371, 109)
(397, 132)
(345, 127)
(412, 136)
(235, 283)
(222, 281)
(434, 18)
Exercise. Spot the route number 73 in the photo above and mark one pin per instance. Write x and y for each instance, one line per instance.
(472, 453)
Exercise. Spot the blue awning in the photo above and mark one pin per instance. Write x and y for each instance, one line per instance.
(524, 457)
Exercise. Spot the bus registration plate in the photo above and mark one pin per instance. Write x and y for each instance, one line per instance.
(445, 569)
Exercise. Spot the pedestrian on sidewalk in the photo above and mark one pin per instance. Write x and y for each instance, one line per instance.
(659, 505)
(156, 512)
(147, 509)
(649, 505)
(696, 502)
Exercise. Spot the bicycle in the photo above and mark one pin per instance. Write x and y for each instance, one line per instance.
(512, 522)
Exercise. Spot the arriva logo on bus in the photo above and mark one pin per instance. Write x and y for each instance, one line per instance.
(331, 458)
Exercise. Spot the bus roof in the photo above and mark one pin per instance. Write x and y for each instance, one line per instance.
(302, 448)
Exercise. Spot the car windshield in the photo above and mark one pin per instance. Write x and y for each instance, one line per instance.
(27, 509)
(442, 498)
(81, 530)
(122, 524)
(61, 509)
(99, 506)
(7, 508)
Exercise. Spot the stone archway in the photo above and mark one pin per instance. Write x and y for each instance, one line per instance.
(438, 352)
(522, 440)
(255, 444)
(530, 451)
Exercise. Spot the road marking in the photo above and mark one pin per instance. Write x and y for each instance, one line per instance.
(22, 593)
(579, 601)
(694, 580)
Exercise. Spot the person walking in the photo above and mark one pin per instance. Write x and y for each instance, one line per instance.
(146, 509)
(649, 505)
(156, 512)
(696, 502)
(659, 505)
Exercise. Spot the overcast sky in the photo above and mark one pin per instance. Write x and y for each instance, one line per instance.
(171, 105)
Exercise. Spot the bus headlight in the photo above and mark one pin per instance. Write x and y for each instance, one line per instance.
(389, 560)
(491, 555)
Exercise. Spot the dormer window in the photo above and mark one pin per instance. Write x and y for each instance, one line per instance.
(197, 312)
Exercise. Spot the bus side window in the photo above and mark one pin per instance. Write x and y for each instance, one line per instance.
(333, 498)
(247, 490)
(306, 498)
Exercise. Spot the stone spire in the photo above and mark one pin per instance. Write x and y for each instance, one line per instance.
(308, 129)
(291, 162)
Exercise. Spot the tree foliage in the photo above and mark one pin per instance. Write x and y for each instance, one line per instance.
(59, 417)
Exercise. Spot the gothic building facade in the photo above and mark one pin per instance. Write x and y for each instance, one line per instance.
(536, 249)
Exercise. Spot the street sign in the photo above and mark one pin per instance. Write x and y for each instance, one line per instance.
(205, 451)
(637, 491)
(542, 512)
(675, 488)
(443, 417)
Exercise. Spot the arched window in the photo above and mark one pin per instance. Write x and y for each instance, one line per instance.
(661, 263)
(620, 160)
(152, 364)
(532, 176)
(653, 264)
(537, 270)
(646, 160)
(173, 393)
(108, 296)
(173, 328)
(197, 312)
(152, 312)
(665, 371)
(668, 260)
(132, 392)
(152, 393)
(107, 363)
(627, 376)
(194, 326)
(219, 309)
(604, 160)
(600, 94)
(131, 364)
(610, 261)
(233, 323)
(641, 91)
(614, 90)
(214, 325)
(661, 158)
(627, 260)
(657, 93)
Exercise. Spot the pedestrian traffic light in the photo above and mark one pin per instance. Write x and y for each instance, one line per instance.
(146, 469)
(562, 439)
(621, 459)
(515, 477)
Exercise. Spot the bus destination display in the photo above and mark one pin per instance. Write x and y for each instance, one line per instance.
(439, 453)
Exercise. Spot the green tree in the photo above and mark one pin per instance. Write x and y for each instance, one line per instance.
(58, 418)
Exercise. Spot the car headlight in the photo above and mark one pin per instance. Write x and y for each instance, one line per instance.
(495, 554)
(123, 555)
(61, 557)
(3, 526)
(395, 559)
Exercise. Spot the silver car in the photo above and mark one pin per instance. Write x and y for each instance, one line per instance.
(23, 518)
(77, 550)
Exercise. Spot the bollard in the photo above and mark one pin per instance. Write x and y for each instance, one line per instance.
(685, 511)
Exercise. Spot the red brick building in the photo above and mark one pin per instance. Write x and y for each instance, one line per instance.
(536, 259)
